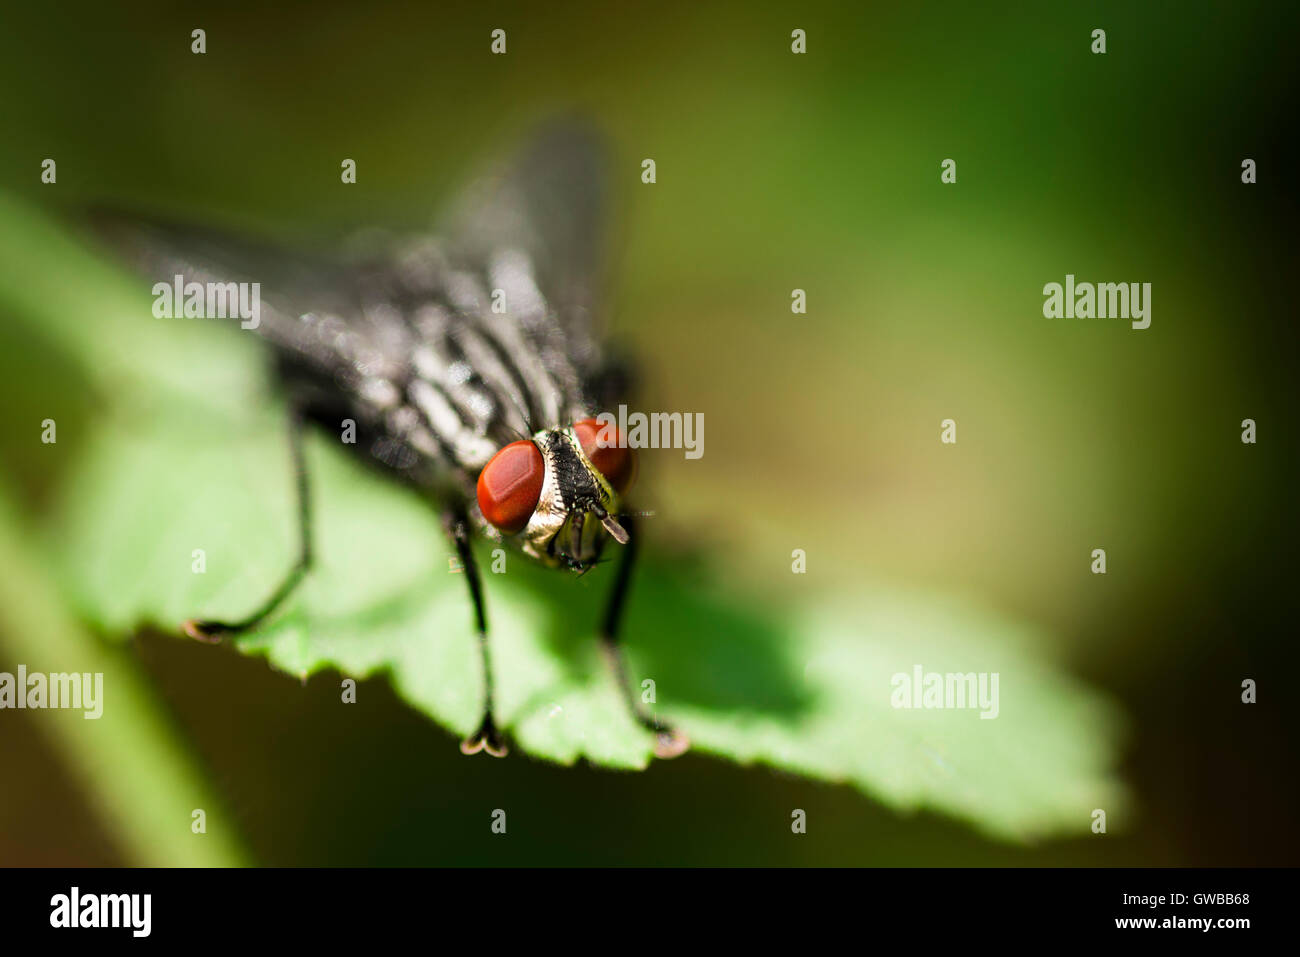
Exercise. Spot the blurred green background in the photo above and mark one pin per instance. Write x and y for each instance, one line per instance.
(775, 171)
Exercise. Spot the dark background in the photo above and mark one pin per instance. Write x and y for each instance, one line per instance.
(775, 171)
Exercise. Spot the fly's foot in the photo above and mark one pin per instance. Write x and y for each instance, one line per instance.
(487, 738)
(210, 632)
(670, 743)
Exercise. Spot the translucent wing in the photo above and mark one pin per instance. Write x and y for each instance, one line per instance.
(443, 346)
(532, 231)
(548, 204)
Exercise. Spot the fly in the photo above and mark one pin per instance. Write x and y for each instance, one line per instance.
(469, 365)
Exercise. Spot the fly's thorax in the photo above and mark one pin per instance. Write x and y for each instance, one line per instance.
(566, 527)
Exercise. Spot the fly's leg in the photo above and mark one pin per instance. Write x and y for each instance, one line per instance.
(214, 631)
(487, 737)
(669, 743)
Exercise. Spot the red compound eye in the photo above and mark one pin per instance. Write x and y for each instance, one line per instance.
(510, 485)
(618, 465)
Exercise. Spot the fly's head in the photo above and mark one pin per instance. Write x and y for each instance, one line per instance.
(559, 492)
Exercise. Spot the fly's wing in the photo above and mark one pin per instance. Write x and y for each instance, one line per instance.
(444, 347)
(533, 232)
(339, 325)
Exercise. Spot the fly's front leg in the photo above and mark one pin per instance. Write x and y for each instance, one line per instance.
(487, 737)
(669, 743)
(214, 631)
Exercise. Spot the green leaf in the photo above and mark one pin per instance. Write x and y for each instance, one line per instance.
(806, 690)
